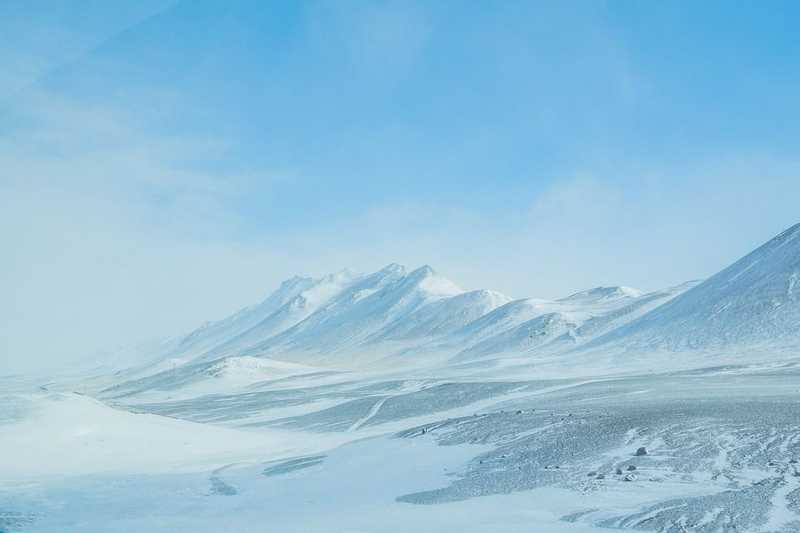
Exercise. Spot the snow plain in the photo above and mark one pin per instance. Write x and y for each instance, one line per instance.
(396, 402)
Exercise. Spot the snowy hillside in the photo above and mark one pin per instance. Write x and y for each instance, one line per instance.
(525, 326)
(396, 317)
(445, 315)
(213, 333)
(487, 407)
(315, 295)
(755, 301)
(358, 314)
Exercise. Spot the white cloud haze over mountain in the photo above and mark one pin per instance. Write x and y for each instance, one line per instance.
(116, 231)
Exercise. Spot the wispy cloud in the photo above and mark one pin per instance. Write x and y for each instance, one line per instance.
(150, 182)
(38, 41)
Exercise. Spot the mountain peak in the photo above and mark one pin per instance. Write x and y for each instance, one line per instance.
(603, 293)
(756, 300)
(423, 272)
(293, 281)
(393, 268)
(342, 276)
(433, 282)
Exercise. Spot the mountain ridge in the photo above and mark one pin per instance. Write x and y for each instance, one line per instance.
(396, 315)
(754, 300)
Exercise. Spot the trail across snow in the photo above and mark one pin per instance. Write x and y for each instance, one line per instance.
(371, 414)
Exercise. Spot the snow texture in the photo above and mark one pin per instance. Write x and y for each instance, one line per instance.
(396, 401)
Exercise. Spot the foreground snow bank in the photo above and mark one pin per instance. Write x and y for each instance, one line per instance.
(353, 489)
(55, 435)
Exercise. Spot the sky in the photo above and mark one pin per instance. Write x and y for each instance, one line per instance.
(164, 163)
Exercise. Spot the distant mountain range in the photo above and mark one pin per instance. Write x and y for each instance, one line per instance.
(349, 319)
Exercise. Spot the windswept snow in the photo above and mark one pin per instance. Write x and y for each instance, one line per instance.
(443, 316)
(212, 333)
(529, 326)
(396, 401)
(56, 434)
(313, 297)
(353, 318)
(395, 316)
(750, 303)
(599, 294)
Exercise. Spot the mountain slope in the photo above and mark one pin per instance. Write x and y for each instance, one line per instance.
(356, 315)
(444, 316)
(523, 326)
(396, 313)
(301, 305)
(213, 333)
(754, 301)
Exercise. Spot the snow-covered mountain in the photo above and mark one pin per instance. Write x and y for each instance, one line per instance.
(394, 311)
(212, 334)
(346, 319)
(525, 326)
(364, 312)
(297, 368)
(342, 310)
(445, 315)
(755, 301)
(315, 294)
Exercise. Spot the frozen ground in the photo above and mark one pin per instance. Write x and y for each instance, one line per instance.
(396, 402)
(347, 452)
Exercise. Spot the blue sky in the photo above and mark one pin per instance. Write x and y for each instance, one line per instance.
(186, 156)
